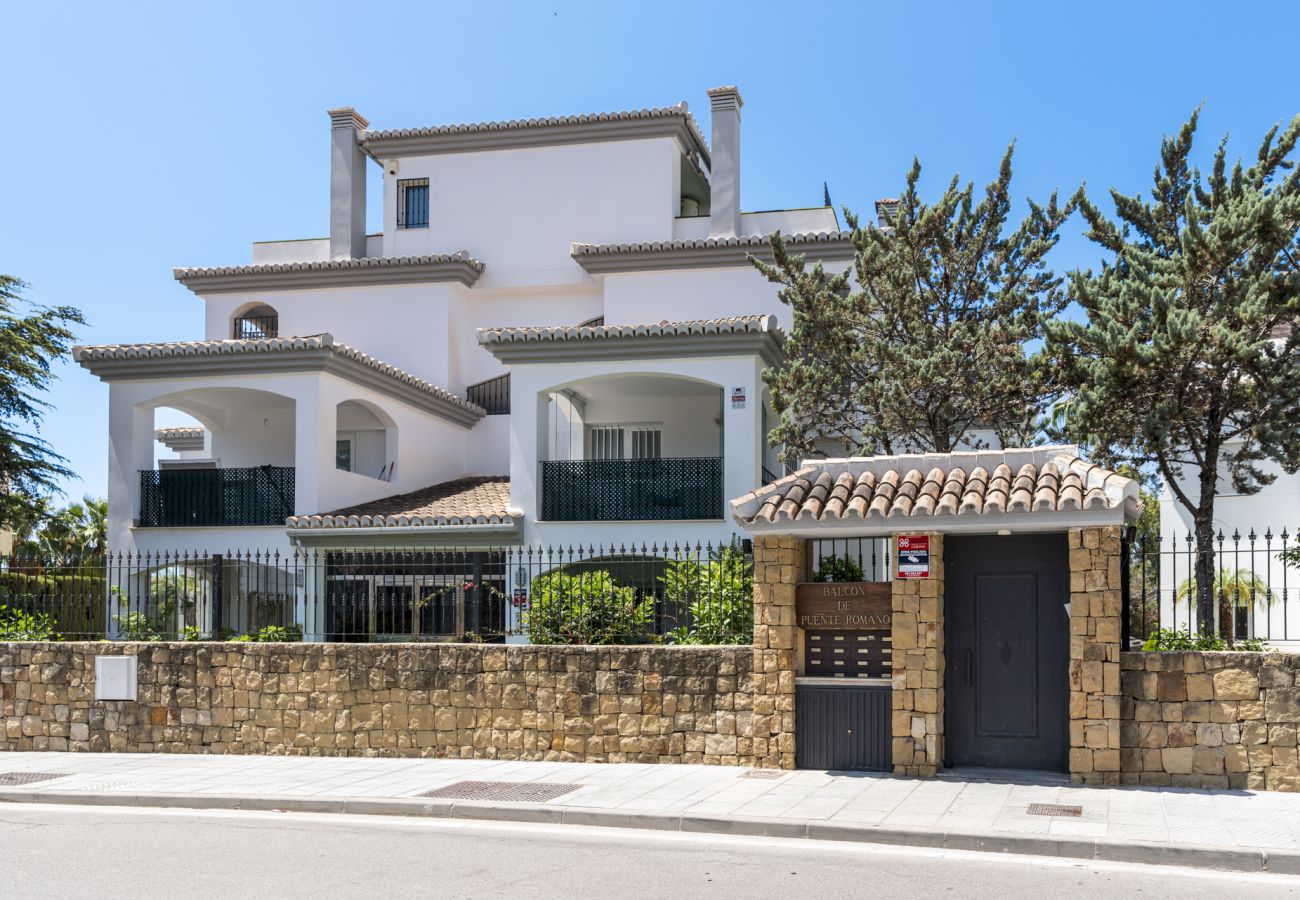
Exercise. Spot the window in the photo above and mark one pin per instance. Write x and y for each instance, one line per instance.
(343, 455)
(413, 203)
(615, 442)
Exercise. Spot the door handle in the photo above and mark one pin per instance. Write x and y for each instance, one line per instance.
(970, 667)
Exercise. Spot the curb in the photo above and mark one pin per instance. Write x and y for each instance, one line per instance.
(1184, 855)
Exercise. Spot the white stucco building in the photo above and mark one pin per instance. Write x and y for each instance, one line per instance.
(555, 338)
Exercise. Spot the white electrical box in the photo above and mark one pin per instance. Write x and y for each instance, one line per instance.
(115, 677)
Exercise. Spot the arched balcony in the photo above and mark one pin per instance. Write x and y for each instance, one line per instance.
(255, 322)
(633, 448)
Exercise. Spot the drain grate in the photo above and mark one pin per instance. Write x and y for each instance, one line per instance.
(510, 791)
(763, 774)
(14, 779)
(1054, 809)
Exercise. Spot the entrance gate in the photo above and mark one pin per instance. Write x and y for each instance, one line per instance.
(1007, 640)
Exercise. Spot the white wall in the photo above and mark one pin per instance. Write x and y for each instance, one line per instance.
(404, 325)
(519, 210)
(647, 297)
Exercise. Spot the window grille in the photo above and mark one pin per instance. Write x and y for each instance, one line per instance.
(413, 203)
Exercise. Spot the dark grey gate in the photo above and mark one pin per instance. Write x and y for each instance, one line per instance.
(1007, 639)
(842, 725)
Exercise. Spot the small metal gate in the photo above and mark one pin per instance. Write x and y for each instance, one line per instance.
(840, 724)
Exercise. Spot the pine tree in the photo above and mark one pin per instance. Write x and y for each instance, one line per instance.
(1190, 357)
(29, 467)
(923, 341)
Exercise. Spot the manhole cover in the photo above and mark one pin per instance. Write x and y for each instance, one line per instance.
(1054, 809)
(512, 791)
(14, 779)
(763, 774)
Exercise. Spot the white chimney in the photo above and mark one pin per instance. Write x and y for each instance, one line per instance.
(724, 173)
(347, 184)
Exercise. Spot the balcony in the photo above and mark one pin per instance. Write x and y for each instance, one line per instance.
(601, 490)
(255, 328)
(192, 498)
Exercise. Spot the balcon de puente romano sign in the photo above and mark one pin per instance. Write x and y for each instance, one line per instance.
(843, 606)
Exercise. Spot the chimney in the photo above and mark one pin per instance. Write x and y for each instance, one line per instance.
(886, 210)
(347, 185)
(724, 173)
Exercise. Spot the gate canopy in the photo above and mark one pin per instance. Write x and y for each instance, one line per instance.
(1032, 489)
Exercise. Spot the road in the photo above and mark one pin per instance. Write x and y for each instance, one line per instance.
(106, 853)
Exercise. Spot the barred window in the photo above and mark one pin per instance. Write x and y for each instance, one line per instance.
(413, 203)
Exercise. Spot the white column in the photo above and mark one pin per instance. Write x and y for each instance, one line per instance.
(742, 432)
(130, 450)
(313, 446)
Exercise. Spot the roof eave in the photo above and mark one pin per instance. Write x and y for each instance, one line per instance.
(305, 276)
(765, 344)
(513, 136)
(598, 259)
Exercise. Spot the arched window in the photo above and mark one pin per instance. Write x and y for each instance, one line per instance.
(255, 323)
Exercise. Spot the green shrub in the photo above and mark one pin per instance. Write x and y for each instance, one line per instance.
(719, 596)
(585, 608)
(18, 625)
(1170, 639)
(272, 634)
(136, 626)
(839, 569)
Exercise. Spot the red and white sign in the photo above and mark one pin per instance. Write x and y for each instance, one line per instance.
(913, 556)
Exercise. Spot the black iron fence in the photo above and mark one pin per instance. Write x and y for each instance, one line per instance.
(171, 498)
(255, 328)
(849, 559)
(1253, 586)
(590, 490)
(692, 594)
(493, 395)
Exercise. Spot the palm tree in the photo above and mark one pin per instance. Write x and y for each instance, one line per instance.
(1236, 589)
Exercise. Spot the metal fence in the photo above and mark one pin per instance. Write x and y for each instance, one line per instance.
(178, 498)
(693, 594)
(1255, 580)
(849, 559)
(592, 490)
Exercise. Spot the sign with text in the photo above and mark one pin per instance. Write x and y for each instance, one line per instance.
(738, 398)
(913, 556)
(844, 606)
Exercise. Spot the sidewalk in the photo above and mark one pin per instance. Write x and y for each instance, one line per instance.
(990, 811)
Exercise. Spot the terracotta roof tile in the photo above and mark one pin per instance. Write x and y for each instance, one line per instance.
(479, 500)
(731, 325)
(992, 483)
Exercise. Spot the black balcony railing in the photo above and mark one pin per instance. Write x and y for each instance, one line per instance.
(592, 490)
(177, 498)
(493, 395)
(255, 328)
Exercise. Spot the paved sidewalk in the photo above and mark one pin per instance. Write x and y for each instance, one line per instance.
(1227, 829)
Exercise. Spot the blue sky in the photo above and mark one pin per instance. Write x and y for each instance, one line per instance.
(145, 136)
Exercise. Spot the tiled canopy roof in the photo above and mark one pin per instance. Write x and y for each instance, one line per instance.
(705, 252)
(201, 357)
(732, 325)
(181, 438)
(991, 484)
(481, 500)
(739, 335)
(459, 266)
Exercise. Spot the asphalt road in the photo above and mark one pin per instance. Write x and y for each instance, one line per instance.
(105, 853)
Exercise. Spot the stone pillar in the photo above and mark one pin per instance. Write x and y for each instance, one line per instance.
(780, 563)
(918, 667)
(1096, 608)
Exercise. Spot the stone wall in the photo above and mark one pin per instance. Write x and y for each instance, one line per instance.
(612, 704)
(1212, 720)
(1096, 607)
(917, 641)
(780, 563)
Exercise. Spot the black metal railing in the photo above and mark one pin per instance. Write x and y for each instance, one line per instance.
(174, 498)
(1253, 582)
(850, 559)
(595, 490)
(689, 594)
(493, 395)
(255, 328)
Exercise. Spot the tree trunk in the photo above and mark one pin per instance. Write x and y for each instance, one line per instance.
(1203, 522)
